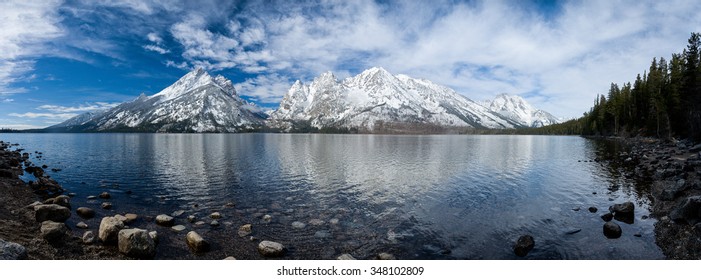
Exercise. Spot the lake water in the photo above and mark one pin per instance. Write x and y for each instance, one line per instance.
(417, 197)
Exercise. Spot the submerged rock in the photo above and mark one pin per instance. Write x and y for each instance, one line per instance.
(623, 209)
(106, 205)
(81, 225)
(593, 209)
(607, 217)
(105, 195)
(245, 230)
(85, 212)
(298, 225)
(612, 230)
(523, 245)
(215, 215)
(178, 228)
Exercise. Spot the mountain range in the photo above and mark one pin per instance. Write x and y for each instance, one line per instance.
(374, 101)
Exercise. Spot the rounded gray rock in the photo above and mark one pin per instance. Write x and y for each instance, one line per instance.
(53, 231)
(271, 249)
(165, 220)
(12, 251)
(109, 230)
(136, 243)
(85, 212)
(523, 245)
(196, 243)
(51, 212)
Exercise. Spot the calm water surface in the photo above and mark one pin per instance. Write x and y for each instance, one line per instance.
(417, 197)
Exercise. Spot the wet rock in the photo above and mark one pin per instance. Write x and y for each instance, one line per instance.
(624, 212)
(92, 197)
(523, 245)
(85, 212)
(130, 218)
(178, 213)
(576, 209)
(196, 243)
(333, 221)
(687, 211)
(607, 217)
(346, 257)
(12, 251)
(573, 231)
(35, 203)
(105, 195)
(612, 230)
(165, 220)
(51, 212)
(199, 223)
(385, 256)
(178, 228)
(88, 237)
(229, 205)
(638, 235)
(270, 249)
(229, 258)
(316, 222)
(298, 225)
(109, 230)
(121, 218)
(106, 205)
(136, 243)
(593, 209)
(214, 224)
(191, 218)
(322, 234)
(245, 230)
(53, 231)
(215, 215)
(81, 225)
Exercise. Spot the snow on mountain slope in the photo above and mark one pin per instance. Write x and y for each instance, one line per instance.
(516, 108)
(376, 97)
(197, 102)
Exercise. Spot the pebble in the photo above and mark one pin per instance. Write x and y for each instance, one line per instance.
(92, 197)
(385, 256)
(229, 258)
(333, 221)
(245, 230)
(346, 257)
(316, 222)
(130, 217)
(298, 225)
(593, 209)
(105, 195)
(88, 237)
(178, 228)
(271, 249)
(82, 225)
(177, 213)
(196, 243)
(106, 205)
(267, 218)
(215, 215)
(191, 218)
(199, 223)
(214, 224)
(85, 212)
(322, 234)
(164, 220)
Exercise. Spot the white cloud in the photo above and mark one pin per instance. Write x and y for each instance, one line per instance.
(81, 108)
(154, 38)
(20, 126)
(264, 88)
(60, 116)
(6, 100)
(26, 28)
(157, 49)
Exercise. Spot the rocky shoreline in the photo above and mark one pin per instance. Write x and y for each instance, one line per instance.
(673, 170)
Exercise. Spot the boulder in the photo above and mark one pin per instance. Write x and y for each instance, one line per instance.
(687, 211)
(85, 212)
(623, 209)
(523, 245)
(53, 231)
(346, 257)
(62, 200)
(612, 230)
(88, 237)
(136, 243)
(12, 251)
(165, 220)
(51, 212)
(271, 249)
(154, 236)
(196, 243)
(109, 230)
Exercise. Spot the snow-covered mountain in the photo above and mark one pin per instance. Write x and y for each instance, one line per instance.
(197, 102)
(517, 109)
(375, 99)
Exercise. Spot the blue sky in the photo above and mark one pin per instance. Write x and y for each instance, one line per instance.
(62, 58)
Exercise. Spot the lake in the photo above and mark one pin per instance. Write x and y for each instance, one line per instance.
(416, 197)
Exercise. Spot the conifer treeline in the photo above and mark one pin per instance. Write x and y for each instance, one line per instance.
(664, 102)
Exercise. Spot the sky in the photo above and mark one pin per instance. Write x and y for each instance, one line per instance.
(62, 58)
